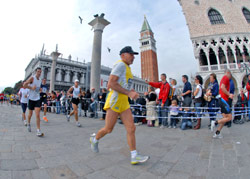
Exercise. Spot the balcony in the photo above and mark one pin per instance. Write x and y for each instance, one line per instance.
(223, 67)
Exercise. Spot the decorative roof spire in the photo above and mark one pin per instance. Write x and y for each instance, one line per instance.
(145, 25)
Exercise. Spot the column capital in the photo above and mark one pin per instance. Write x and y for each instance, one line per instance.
(99, 23)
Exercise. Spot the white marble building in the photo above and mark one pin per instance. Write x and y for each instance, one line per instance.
(67, 70)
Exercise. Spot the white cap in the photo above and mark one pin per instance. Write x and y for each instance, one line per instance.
(76, 80)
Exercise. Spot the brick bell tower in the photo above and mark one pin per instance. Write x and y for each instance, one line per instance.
(149, 64)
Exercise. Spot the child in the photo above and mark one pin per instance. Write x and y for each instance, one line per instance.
(186, 120)
(173, 114)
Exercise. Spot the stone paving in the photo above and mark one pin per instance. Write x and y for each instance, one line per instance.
(64, 151)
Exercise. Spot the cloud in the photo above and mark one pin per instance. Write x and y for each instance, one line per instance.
(27, 24)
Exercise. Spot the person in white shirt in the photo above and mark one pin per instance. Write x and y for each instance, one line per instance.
(198, 100)
(23, 96)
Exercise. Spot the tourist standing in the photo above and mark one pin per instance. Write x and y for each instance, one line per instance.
(248, 94)
(163, 98)
(34, 84)
(151, 106)
(120, 86)
(93, 104)
(102, 102)
(198, 100)
(187, 91)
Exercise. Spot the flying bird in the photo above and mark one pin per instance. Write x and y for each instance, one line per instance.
(80, 19)
(109, 49)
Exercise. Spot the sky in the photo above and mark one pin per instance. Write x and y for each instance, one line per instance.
(28, 24)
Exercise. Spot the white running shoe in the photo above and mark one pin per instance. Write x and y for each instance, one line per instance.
(162, 127)
(217, 136)
(68, 117)
(78, 124)
(212, 126)
(39, 134)
(139, 159)
(29, 127)
(94, 145)
(25, 123)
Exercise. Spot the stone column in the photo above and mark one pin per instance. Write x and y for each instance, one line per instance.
(208, 61)
(98, 24)
(228, 67)
(218, 59)
(53, 69)
(75, 76)
(67, 76)
(235, 59)
(82, 79)
(48, 74)
(59, 75)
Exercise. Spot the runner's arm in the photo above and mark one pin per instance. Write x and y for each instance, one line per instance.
(223, 88)
(114, 85)
(70, 91)
(26, 84)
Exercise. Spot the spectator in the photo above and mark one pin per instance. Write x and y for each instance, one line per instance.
(58, 103)
(173, 113)
(173, 85)
(87, 98)
(187, 90)
(93, 105)
(240, 108)
(63, 102)
(211, 93)
(163, 98)
(103, 100)
(53, 101)
(186, 120)
(151, 104)
(198, 99)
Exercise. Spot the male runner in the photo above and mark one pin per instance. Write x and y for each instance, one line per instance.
(120, 86)
(34, 84)
(223, 102)
(43, 98)
(76, 93)
(23, 95)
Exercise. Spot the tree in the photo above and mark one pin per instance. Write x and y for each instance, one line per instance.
(8, 90)
(17, 86)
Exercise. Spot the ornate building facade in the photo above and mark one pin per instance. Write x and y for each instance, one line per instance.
(220, 34)
(67, 70)
(149, 64)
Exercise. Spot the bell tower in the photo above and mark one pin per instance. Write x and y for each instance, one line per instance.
(149, 64)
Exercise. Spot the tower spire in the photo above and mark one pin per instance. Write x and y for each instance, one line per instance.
(145, 25)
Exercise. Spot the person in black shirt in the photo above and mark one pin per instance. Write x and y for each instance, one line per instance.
(187, 90)
(103, 100)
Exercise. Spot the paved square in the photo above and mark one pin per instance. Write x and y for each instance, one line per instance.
(64, 151)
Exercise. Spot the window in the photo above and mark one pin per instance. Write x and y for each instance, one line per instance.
(215, 17)
(246, 13)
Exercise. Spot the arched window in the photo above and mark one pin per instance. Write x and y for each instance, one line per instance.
(215, 17)
(246, 13)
